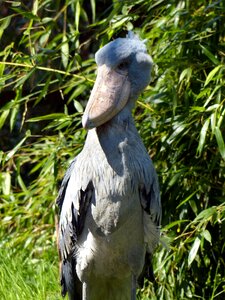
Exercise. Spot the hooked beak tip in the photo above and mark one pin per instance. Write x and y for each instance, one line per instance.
(86, 123)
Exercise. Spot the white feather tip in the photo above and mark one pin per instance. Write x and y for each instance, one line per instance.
(132, 35)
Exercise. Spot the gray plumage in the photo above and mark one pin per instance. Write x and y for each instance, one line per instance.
(109, 201)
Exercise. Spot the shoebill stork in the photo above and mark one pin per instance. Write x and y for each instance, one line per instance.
(109, 199)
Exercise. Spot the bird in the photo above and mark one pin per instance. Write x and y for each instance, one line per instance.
(109, 199)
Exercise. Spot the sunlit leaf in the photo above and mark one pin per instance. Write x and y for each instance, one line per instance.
(4, 23)
(212, 107)
(77, 15)
(198, 108)
(206, 214)
(206, 234)
(186, 74)
(1, 156)
(35, 7)
(194, 250)
(13, 116)
(178, 130)
(77, 91)
(175, 223)
(202, 138)
(78, 106)
(5, 180)
(65, 51)
(209, 54)
(16, 3)
(212, 74)
(193, 205)
(44, 38)
(47, 20)
(220, 141)
(48, 117)
(3, 117)
(93, 9)
(22, 184)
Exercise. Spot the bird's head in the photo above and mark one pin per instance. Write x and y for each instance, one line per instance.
(124, 70)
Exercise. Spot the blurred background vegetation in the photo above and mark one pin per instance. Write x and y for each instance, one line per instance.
(47, 70)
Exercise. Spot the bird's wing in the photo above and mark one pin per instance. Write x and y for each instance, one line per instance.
(73, 200)
(151, 204)
(62, 190)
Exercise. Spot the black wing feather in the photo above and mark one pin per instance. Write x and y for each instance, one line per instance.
(147, 271)
(151, 204)
(62, 190)
(69, 235)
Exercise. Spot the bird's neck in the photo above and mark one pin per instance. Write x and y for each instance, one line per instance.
(123, 121)
(120, 127)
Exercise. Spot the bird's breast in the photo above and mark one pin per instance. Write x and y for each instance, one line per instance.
(118, 166)
(113, 235)
(116, 182)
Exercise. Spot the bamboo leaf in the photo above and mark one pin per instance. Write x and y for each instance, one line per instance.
(187, 199)
(13, 116)
(3, 117)
(206, 234)
(212, 74)
(48, 117)
(80, 89)
(198, 108)
(206, 214)
(11, 153)
(4, 23)
(5, 183)
(78, 106)
(193, 205)
(44, 38)
(175, 223)
(212, 107)
(24, 78)
(93, 9)
(65, 51)
(185, 73)
(213, 121)
(210, 55)
(77, 16)
(44, 91)
(16, 3)
(194, 250)
(220, 142)
(178, 130)
(35, 7)
(203, 136)
(22, 184)
(47, 20)
(26, 14)
(1, 156)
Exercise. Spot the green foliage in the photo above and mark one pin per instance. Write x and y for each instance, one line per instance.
(47, 70)
(22, 278)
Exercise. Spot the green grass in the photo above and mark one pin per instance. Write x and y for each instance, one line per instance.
(24, 278)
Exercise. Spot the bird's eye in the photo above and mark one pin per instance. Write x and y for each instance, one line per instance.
(123, 66)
